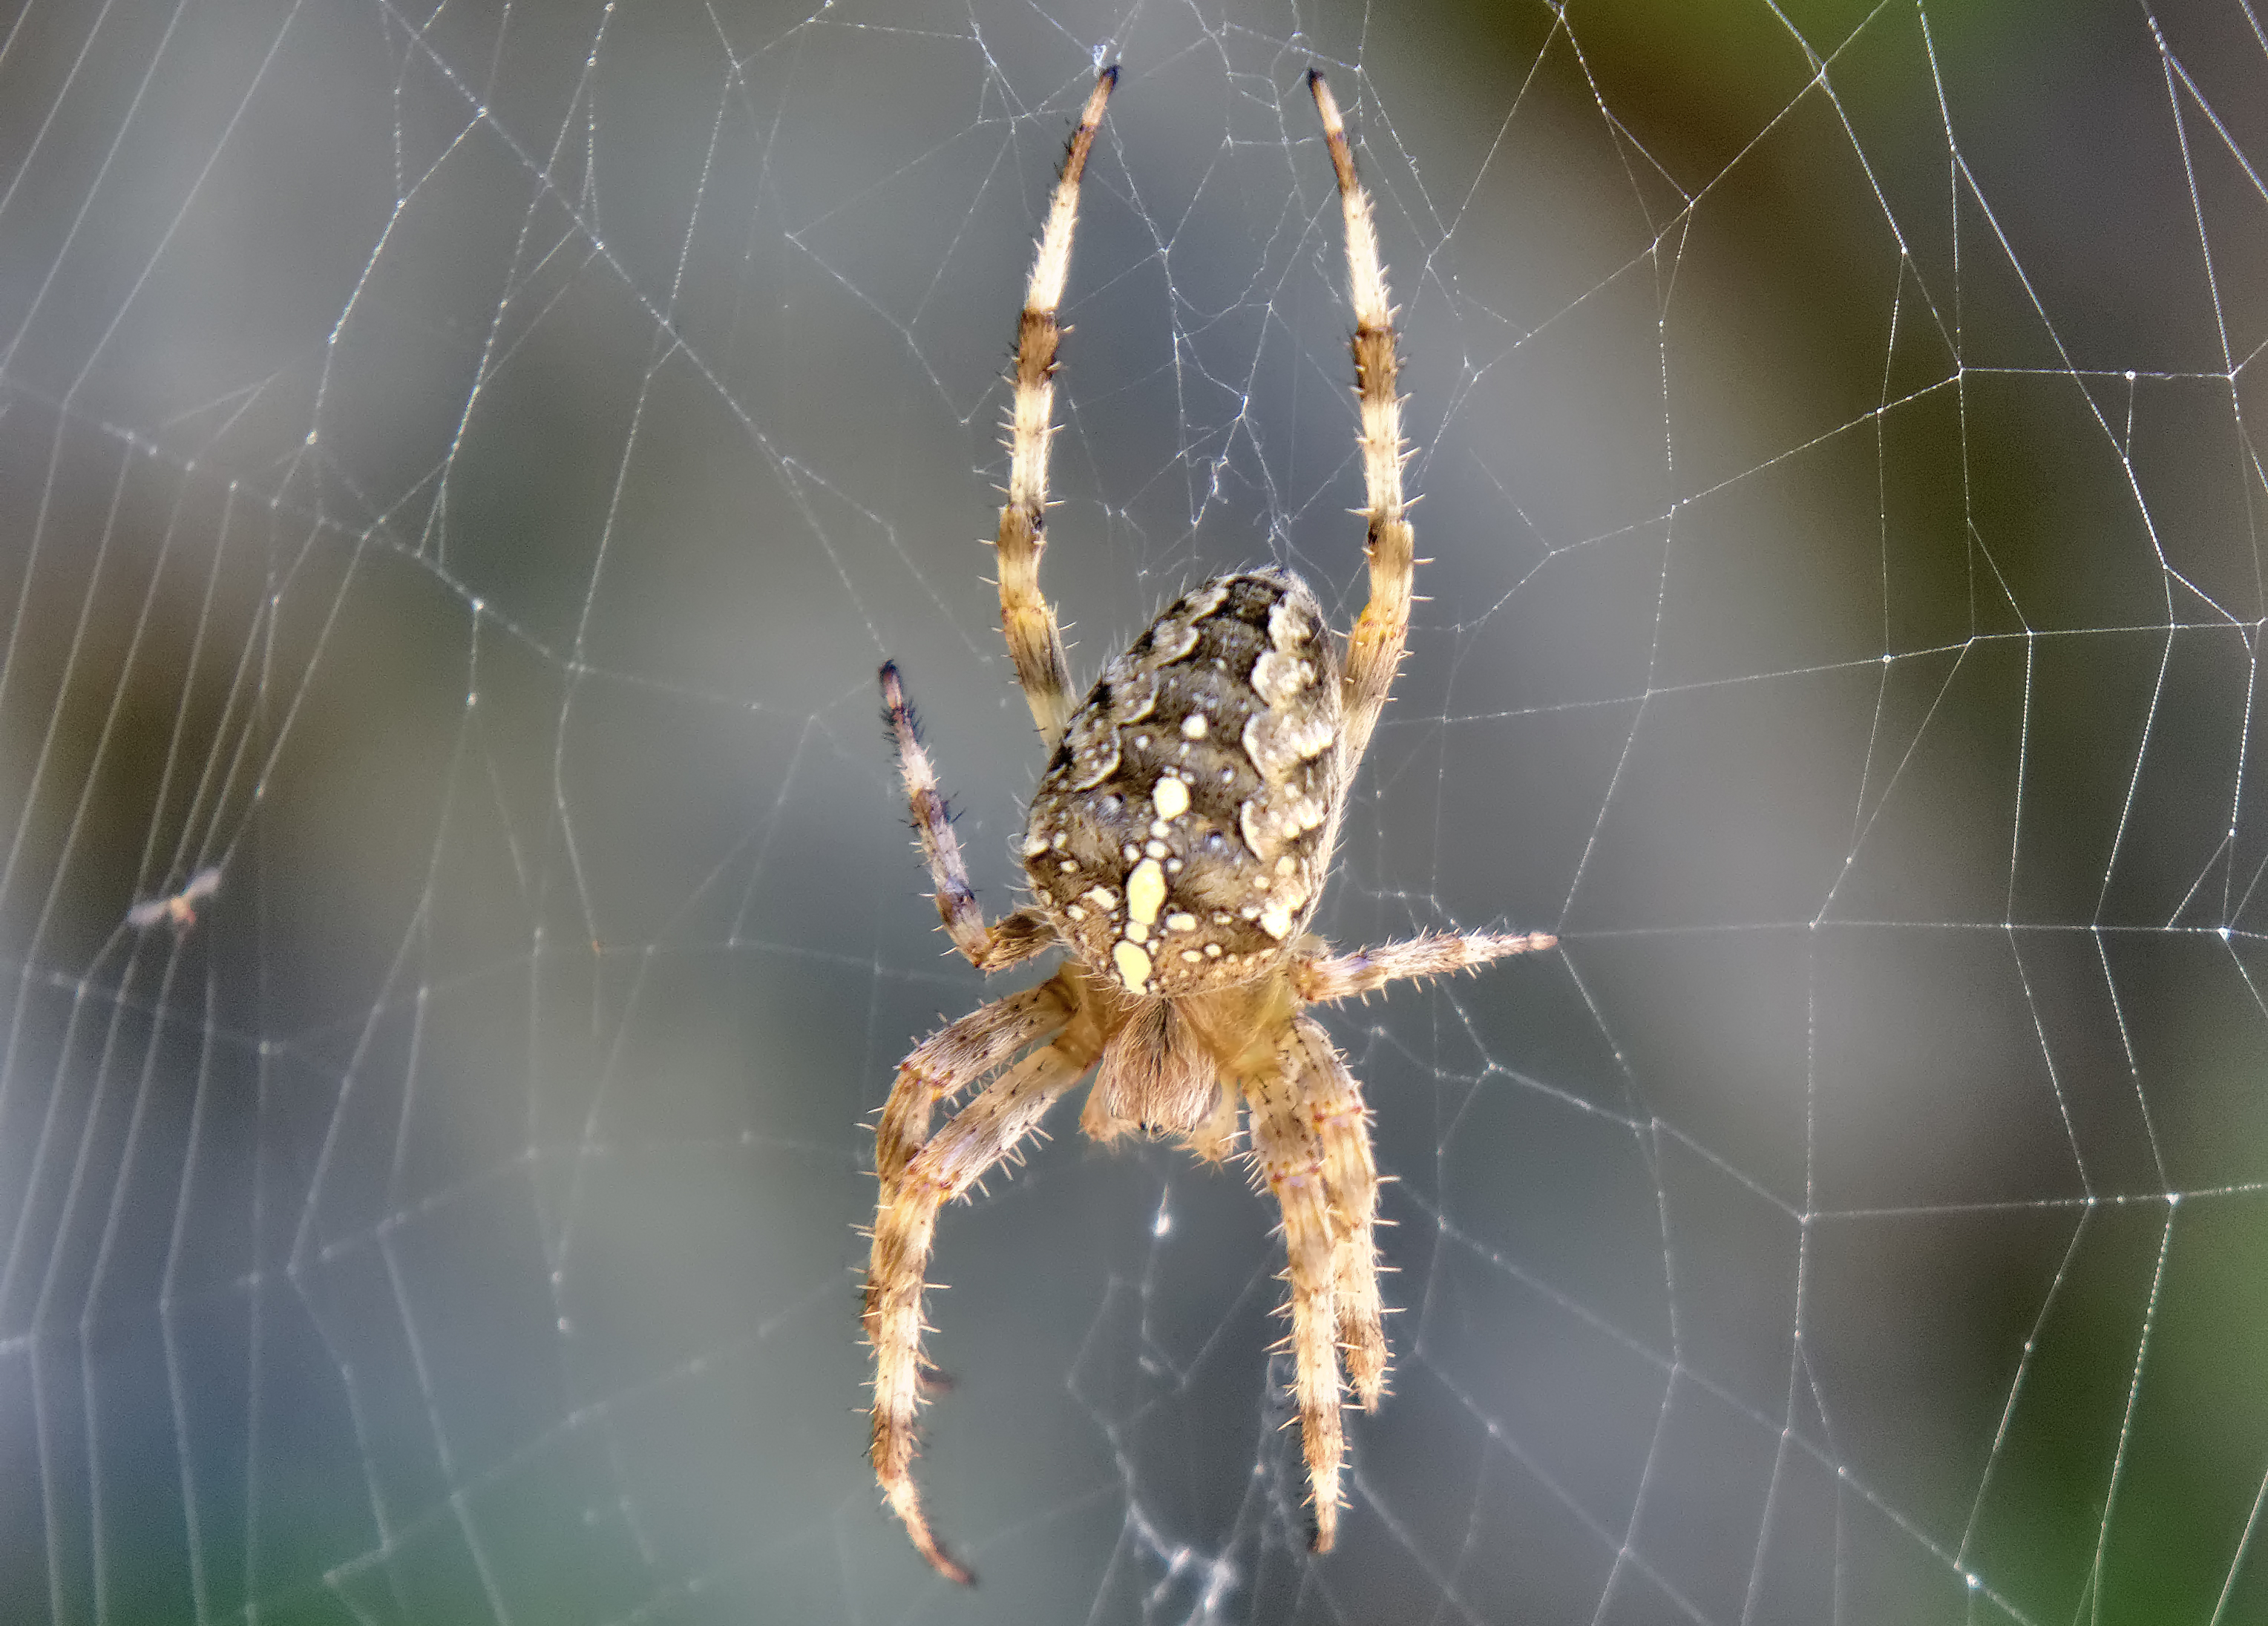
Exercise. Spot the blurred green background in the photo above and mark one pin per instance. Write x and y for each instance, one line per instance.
(460, 468)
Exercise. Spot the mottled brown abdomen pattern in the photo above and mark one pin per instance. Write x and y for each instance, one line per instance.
(1180, 835)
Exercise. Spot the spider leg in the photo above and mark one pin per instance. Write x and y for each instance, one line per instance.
(1334, 1099)
(991, 946)
(951, 1058)
(1318, 979)
(1027, 620)
(1289, 1156)
(984, 1131)
(1374, 648)
(940, 1067)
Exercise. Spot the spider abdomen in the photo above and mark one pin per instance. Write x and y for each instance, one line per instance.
(1181, 834)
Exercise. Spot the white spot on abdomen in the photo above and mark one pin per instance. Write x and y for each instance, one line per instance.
(1133, 966)
(1146, 892)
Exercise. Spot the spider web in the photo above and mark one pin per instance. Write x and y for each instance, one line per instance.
(461, 466)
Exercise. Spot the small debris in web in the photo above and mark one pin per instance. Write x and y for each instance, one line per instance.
(179, 909)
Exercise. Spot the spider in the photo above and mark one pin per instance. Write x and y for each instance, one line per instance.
(1177, 847)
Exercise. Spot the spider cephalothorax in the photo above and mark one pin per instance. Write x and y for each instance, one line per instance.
(1177, 847)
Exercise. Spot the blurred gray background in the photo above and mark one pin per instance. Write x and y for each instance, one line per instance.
(460, 468)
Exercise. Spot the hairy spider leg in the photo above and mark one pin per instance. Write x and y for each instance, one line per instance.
(991, 946)
(1319, 979)
(1374, 647)
(981, 1135)
(1027, 620)
(951, 1059)
(1288, 1160)
(1334, 1099)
